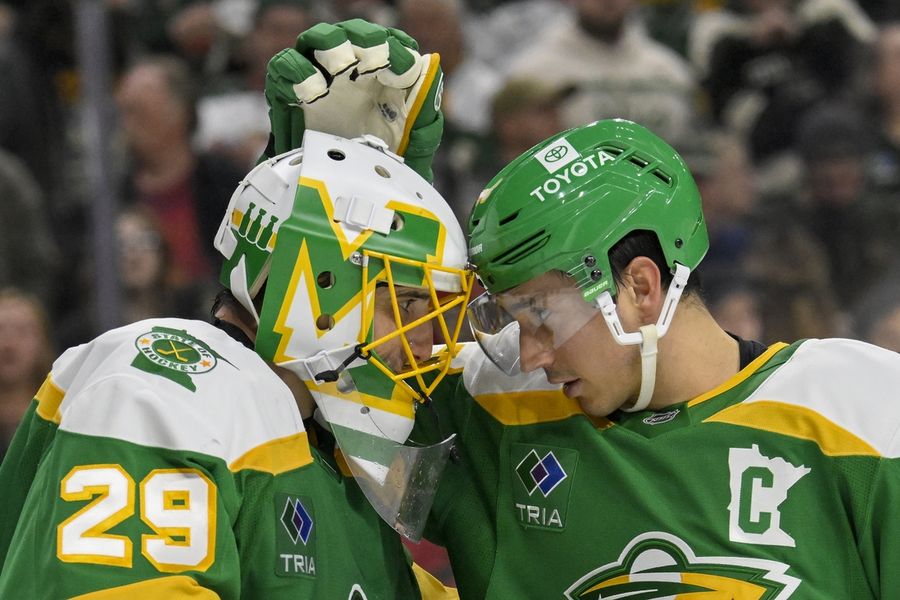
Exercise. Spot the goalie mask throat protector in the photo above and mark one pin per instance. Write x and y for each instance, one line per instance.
(562, 206)
(325, 227)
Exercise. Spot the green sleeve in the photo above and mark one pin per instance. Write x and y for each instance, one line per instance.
(18, 470)
(880, 542)
(88, 513)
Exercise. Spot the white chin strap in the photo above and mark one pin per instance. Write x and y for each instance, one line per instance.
(647, 335)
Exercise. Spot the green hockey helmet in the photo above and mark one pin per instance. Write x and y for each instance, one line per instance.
(564, 203)
(562, 206)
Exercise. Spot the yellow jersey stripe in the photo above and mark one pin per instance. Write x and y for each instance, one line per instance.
(530, 407)
(276, 456)
(49, 397)
(795, 421)
(740, 376)
(178, 586)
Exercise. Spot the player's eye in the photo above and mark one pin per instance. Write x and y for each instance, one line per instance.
(539, 314)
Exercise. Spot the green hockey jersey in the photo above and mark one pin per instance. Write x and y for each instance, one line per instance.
(780, 483)
(166, 460)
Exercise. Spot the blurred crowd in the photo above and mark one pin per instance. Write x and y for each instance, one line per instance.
(787, 111)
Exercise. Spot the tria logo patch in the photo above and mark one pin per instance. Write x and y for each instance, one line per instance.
(659, 566)
(542, 481)
(296, 520)
(295, 538)
(540, 473)
(174, 354)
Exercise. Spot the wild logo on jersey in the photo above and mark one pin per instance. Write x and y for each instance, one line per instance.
(295, 538)
(658, 566)
(174, 354)
(542, 478)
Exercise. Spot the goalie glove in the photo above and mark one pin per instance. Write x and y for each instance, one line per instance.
(356, 78)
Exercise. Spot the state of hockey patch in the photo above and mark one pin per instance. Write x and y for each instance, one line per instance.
(541, 482)
(295, 536)
(174, 354)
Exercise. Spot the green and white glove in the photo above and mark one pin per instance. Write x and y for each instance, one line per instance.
(355, 78)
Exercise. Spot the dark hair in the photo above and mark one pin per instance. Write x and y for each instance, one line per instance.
(645, 243)
(226, 298)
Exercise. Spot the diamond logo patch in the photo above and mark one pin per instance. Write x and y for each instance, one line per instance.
(540, 473)
(296, 520)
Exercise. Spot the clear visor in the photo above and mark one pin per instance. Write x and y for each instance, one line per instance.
(513, 328)
(399, 481)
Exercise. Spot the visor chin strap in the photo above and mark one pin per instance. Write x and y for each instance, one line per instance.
(648, 368)
(648, 335)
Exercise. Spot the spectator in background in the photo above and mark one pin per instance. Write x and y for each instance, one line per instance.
(41, 106)
(184, 189)
(149, 283)
(737, 310)
(615, 68)
(793, 282)
(29, 257)
(469, 83)
(235, 122)
(725, 179)
(375, 11)
(25, 357)
(146, 274)
(878, 315)
(495, 32)
(523, 112)
(886, 109)
(858, 228)
(778, 59)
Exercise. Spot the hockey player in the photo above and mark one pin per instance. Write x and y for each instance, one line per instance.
(637, 449)
(166, 459)
(620, 443)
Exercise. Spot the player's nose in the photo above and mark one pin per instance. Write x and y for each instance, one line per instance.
(533, 354)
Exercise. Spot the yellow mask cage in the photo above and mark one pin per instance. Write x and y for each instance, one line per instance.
(440, 362)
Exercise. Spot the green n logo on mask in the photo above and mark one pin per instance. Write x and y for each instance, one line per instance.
(314, 279)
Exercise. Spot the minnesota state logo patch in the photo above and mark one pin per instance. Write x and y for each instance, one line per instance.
(174, 354)
(660, 566)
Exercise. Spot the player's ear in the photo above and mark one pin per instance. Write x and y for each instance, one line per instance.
(642, 281)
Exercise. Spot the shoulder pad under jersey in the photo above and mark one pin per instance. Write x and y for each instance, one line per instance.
(172, 383)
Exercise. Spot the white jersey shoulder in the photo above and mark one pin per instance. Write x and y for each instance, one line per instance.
(176, 384)
(482, 376)
(853, 385)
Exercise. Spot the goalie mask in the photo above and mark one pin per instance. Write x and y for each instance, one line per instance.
(362, 263)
